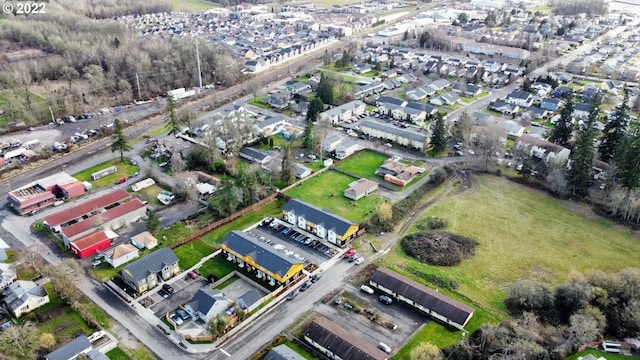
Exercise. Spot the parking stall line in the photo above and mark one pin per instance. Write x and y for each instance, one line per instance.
(224, 352)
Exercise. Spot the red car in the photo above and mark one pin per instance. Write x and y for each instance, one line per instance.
(350, 253)
(122, 180)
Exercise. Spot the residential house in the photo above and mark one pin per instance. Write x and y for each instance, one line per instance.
(504, 107)
(3, 250)
(513, 129)
(428, 109)
(450, 98)
(331, 142)
(336, 342)
(271, 124)
(297, 87)
(333, 228)
(398, 173)
(551, 104)
(250, 300)
(144, 240)
(74, 348)
(7, 275)
(542, 150)
(120, 254)
(406, 137)
(346, 148)
(302, 171)
(92, 243)
(414, 294)
(255, 155)
(261, 259)
(440, 84)
(542, 89)
(536, 113)
(468, 90)
(361, 68)
(360, 188)
(21, 297)
(147, 272)
(207, 304)
(419, 93)
(283, 352)
(520, 98)
(381, 100)
(343, 112)
(581, 110)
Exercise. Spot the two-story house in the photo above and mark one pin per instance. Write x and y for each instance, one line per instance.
(147, 272)
(335, 229)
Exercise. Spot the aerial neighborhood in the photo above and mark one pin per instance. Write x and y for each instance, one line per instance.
(315, 180)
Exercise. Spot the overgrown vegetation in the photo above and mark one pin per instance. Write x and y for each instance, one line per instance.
(439, 248)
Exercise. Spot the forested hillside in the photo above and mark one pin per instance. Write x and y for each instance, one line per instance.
(98, 58)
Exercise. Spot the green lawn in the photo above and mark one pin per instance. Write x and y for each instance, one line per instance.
(257, 101)
(117, 354)
(192, 5)
(123, 167)
(63, 323)
(330, 3)
(598, 354)
(218, 267)
(189, 254)
(371, 74)
(150, 194)
(523, 233)
(326, 191)
(227, 282)
(365, 163)
(300, 350)
(432, 333)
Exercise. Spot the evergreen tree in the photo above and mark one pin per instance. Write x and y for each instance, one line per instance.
(120, 142)
(614, 131)
(583, 153)
(438, 135)
(172, 121)
(315, 108)
(561, 133)
(527, 167)
(288, 166)
(325, 90)
(628, 162)
(326, 58)
(310, 140)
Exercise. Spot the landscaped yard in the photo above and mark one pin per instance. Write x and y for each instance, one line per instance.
(326, 191)
(189, 254)
(218, 267)
(192, 5)
(523, 234)
(117, 354)
(150, 194)
(124, 169)
(598, 354)
(257, 101)
(365, 163)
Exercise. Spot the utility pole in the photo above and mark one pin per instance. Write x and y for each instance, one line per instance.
(138, 84)
(198, 58)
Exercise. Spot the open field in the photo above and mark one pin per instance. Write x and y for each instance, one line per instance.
(365, 163)
(325, 191)
(523, 234)
(329, 3)
(124, 169)
(117, 354)
(189, 254)
(598, 354)
(217, 266)
(192, 5)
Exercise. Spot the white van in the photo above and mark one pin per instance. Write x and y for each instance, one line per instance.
(366, 289)
(384, 347)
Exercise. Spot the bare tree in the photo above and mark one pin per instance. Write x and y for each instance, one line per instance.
(488, 142)
(19, 341)
(253, 87)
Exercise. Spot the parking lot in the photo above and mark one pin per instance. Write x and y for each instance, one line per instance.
(293, 241)
(183, 290)
(406, 319)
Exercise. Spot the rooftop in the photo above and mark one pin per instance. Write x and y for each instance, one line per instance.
(86, 207)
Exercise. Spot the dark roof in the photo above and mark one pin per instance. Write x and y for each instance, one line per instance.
(393, 130)
(389, 100)
(249, 298)
(318, 216)
(261, 252)
(422, 295)
(341, 341)
(519, 95)
(428, 108)
(86, 207)
(283, 352)
(70, 349)
(581, 107)
(204, 299)
(150, 264)
(254, 153)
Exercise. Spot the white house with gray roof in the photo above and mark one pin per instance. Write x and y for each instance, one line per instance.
(147, 272)
(24, 296)
(207, 304)
(405, 137)
(344, 111)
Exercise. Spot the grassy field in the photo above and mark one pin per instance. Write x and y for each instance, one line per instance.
(63, 322)
(330, 3)
(523, 234)
(365, 163)
(192, 5)
(189, 254)
(123, 167)
(598, 354)
(325, 191)
(117, 354)
(218, 267)
(150, 194)
(300, 350)
(227, 282)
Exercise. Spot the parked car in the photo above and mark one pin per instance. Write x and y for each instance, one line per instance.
(359, 260)
(384, 347)
(122, 180)
(192, 275)
(163, 293)
(385, 299)
(315, 277)
(168, 288)
(366, 289)
(292, 295)
(350, 253)
(177, 319)
(306, 286)
(96, 262)
(183, 314)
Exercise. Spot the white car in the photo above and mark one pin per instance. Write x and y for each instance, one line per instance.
(177, 319)
(471, 152)
(359, 260)
(366, 289)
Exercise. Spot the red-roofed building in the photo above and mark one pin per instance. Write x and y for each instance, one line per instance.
(90, 244)
(44, 192)
(57, 220)
(112, 219)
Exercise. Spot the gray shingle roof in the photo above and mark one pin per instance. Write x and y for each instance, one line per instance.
(204, 299)
(392, 130)
(261, 252)
(254, 153)
(341, 341)
(318, 216)
(422, 295)
(283, 352)
(150, 264)
(70, 349)
(249, 298)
